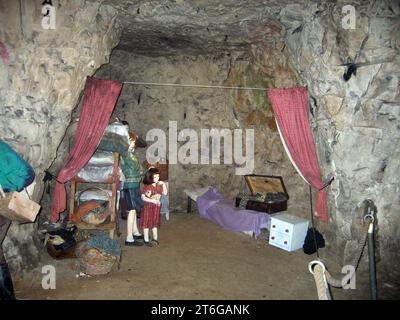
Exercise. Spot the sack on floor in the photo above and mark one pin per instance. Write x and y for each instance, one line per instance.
(95, 262)
(61, 243)
(309, 243)
(99, 255)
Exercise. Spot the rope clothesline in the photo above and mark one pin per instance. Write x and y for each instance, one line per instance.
(190, 85)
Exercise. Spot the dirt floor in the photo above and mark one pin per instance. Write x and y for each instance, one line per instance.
(196, 259)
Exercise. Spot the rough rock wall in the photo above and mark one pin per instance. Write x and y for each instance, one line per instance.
(201, 108)
(356, 122)
(43, 72)
(267, 67)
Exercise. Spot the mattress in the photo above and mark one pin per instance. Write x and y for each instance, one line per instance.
(213, 206)
(195, 193)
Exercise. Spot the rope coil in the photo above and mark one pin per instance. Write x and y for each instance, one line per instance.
(320, 280)
(323, 277)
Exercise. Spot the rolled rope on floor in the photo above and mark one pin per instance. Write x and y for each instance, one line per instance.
(319, 269)
(332, 281)
(320, 281)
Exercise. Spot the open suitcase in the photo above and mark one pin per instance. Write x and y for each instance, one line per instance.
(268, 194)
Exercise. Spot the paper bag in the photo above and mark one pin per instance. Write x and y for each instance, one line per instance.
(17, 206)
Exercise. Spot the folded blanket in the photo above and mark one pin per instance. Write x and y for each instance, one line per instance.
(95, 173)
(115, 138)
(115, 143)
(102, 158)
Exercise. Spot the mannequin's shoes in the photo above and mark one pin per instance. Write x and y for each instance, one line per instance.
(140, 237)
(155, 242)
(148, 243)
(133, 243)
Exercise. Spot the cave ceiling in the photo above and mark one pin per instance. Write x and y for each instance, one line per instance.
(162, 28)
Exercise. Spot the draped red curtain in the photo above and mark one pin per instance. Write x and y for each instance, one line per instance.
(290, 107)
(100, 97)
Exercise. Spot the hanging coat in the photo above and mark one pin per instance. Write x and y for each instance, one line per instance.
(15, 172)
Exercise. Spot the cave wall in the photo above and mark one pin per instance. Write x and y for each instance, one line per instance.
(146, 107)
(356, 123)
(43, 72)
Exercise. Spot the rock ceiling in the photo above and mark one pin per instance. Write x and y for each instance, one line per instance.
(197, 27)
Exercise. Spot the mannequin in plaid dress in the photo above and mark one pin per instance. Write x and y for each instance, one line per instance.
(151, 195)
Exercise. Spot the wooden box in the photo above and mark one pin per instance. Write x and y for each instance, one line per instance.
(272, 187)
(287, 231)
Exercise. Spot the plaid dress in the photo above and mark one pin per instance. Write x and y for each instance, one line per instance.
(150, 216)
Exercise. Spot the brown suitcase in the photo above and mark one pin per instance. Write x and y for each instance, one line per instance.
(273, 186)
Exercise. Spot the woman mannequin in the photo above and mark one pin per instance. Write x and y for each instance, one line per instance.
(133, 172)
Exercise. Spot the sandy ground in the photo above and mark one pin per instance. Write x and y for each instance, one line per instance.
(196, 259)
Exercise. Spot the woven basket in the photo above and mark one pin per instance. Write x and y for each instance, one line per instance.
(94, 262)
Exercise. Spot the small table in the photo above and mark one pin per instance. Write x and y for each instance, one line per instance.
(192, 196)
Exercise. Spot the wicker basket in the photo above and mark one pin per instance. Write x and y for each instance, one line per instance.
(94, 262)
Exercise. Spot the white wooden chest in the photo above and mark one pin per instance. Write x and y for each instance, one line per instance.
(287, 231)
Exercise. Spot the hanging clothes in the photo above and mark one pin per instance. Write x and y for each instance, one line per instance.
(15, 172)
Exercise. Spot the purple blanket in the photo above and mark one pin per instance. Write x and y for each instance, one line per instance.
(213, 206)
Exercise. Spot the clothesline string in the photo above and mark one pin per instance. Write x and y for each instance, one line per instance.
(190, 85)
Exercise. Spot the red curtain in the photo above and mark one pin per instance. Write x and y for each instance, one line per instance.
(290, 107)
(98, 104)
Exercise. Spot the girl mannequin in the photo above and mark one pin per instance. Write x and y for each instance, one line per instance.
(133, 172)
(151, 194)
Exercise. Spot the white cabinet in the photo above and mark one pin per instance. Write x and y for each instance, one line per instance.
(287, 231)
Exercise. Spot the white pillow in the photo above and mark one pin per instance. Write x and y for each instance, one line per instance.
(195, 193)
